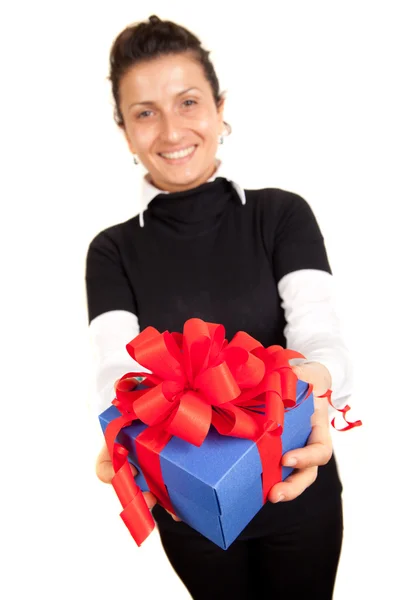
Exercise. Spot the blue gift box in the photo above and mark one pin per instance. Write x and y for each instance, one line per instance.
(216, 488)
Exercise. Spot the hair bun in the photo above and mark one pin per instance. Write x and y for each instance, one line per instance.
(154, 19)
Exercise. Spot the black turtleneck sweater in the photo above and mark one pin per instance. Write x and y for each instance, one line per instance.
(202, 253)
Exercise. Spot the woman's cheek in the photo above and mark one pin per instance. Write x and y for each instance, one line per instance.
(206, 126)
(143, 137)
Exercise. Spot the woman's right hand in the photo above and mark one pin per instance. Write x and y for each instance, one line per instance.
(105, 472)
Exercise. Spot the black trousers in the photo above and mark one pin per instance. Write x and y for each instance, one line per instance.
(293, 555)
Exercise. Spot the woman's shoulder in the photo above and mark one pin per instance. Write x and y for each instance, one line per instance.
(274, 195)
(276, 202)
(114, 235)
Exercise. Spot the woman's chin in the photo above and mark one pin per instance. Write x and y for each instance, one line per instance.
(174, 177)
(188, 178)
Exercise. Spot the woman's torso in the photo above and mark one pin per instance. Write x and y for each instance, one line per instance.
(204, 254)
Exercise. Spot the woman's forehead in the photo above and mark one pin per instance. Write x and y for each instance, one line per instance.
(170, 75)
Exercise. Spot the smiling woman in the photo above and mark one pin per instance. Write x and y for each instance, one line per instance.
(170, 107)
(253, 260)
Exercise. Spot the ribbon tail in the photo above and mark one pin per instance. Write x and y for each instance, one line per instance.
(344, 411)
(149, 444)
(270, 451)
(135, 514)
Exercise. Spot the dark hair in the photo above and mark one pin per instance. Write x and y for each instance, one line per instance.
(151, 39)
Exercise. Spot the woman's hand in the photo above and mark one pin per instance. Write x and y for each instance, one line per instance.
(318, 450)
(105, 472)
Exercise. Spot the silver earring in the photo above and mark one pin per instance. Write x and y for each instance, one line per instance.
(221, 139)
(135, 160)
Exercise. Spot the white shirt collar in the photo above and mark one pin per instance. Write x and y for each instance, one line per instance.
(150, 191)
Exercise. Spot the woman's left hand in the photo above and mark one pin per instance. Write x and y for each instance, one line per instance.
(318, 450)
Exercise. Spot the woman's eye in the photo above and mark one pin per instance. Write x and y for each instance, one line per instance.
(194, 102)
(144, 114)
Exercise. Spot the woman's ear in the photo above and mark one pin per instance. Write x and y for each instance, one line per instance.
(220, 110)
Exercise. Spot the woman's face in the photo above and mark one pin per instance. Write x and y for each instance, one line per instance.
(168, 107)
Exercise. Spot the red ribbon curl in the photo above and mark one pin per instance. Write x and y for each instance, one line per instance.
(344, 411)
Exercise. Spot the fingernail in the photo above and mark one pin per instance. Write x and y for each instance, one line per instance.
(291, 461)
(280, 497)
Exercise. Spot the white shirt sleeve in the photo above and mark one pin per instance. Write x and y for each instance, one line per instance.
(109, 333)
(313, 327)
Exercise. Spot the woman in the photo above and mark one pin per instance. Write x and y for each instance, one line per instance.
(253, 260)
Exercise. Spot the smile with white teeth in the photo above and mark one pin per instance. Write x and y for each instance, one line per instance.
(179, 153)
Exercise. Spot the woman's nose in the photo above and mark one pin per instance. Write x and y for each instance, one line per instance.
(171, 130)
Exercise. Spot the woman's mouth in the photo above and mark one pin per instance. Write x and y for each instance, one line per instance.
(180, 156)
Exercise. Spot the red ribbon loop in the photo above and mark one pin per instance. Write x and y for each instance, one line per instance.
(192, 419)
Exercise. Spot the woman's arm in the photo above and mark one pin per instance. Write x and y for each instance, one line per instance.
(112, 315)
(109, 334)
(305, 285)
(313, 327)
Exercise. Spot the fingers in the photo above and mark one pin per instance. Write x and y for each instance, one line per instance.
(175, 518)
(315, 373)
(314, 455)
(318, 450)
(105, 472)
(104, 468)
(150, 499)
(293, 486)
(306, 461)
(320, 437)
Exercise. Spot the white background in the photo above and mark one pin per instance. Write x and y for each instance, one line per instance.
(313, 100)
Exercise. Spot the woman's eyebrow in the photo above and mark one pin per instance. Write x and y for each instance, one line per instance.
(151, 102)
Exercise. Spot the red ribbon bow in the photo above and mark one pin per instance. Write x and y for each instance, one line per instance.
(197, 379)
